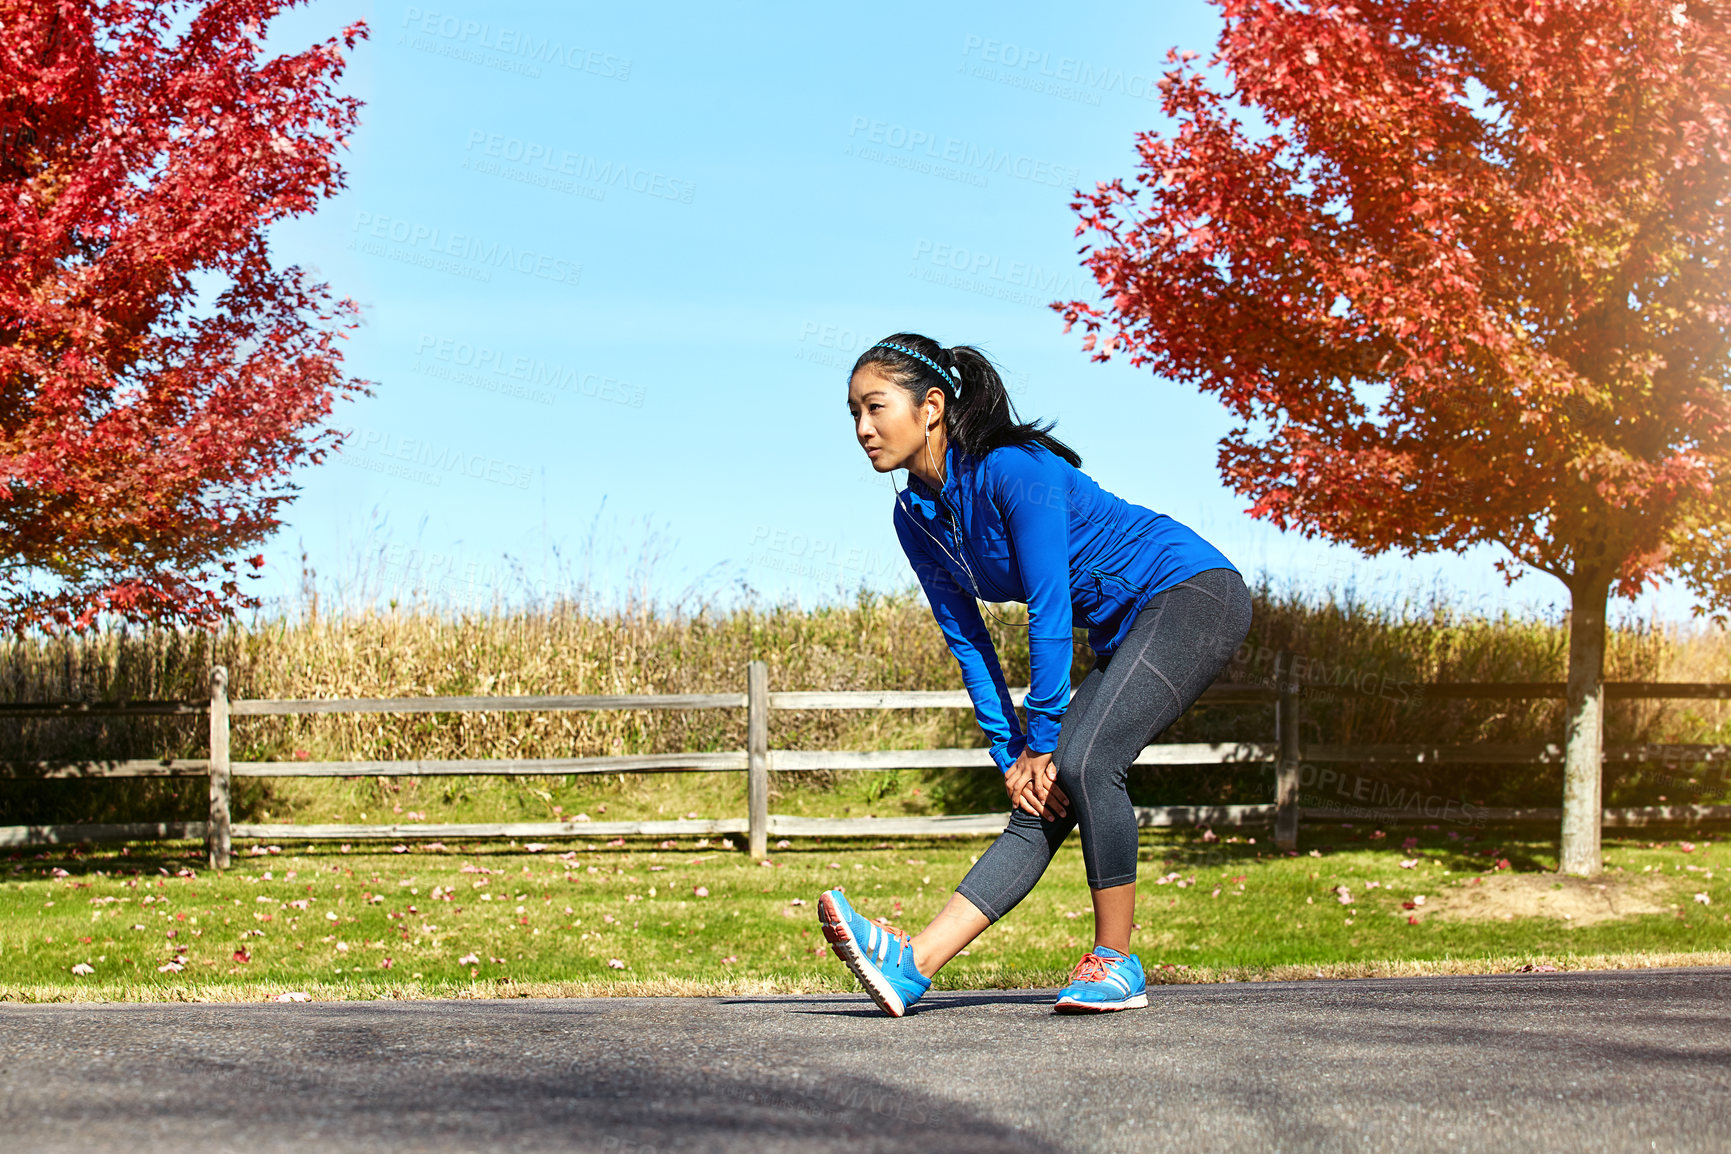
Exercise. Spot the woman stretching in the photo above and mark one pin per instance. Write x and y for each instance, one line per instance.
(999, 510)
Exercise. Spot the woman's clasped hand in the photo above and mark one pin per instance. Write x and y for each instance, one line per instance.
(1033, 786)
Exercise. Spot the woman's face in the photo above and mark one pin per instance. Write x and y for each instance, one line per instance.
(890, 430)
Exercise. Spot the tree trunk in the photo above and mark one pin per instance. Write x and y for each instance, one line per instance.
(1584, 741)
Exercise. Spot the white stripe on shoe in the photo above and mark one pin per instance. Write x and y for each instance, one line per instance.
(847, 947)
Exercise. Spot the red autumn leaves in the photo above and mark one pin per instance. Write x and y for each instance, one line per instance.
(1462, 284)
(159, 375)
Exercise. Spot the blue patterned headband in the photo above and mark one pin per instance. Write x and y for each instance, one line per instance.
(954, 375)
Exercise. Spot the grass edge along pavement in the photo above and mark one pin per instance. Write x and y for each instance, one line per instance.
(1211, 910)
(150, 992)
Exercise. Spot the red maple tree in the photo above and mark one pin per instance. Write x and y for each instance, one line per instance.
(159, 376)
(1463, 280)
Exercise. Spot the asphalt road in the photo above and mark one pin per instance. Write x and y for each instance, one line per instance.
(1583, 1062)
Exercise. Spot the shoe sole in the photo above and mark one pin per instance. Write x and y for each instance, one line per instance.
(1070, 1006)
(847, 948)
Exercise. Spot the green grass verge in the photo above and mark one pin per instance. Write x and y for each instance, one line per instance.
(487, 920)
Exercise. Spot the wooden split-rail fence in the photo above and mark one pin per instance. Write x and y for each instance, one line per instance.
(757, 760)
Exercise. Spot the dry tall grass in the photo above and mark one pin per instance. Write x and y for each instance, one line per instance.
(1364, 665)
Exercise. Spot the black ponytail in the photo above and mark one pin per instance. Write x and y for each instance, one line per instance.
(981, 418)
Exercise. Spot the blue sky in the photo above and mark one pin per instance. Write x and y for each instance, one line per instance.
(616, 260)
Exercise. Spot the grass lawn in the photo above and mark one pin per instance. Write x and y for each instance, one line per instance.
(586, 917)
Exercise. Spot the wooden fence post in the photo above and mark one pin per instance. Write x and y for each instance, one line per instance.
(216, 832)
(1286, 767)
(757, 758)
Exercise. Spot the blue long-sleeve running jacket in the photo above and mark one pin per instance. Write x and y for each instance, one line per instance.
(1038, 530)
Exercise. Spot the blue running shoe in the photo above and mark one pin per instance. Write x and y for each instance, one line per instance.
(1104, 980)
(880, 956)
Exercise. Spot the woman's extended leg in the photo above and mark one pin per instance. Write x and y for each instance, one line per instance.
(1175, 649)
(957, 924)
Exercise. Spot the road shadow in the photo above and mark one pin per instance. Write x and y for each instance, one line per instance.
(861, 1006)
(453, 1076)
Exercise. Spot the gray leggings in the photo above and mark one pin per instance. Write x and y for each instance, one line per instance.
(1177, 645)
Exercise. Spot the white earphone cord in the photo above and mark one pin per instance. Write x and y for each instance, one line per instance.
(971, 579)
